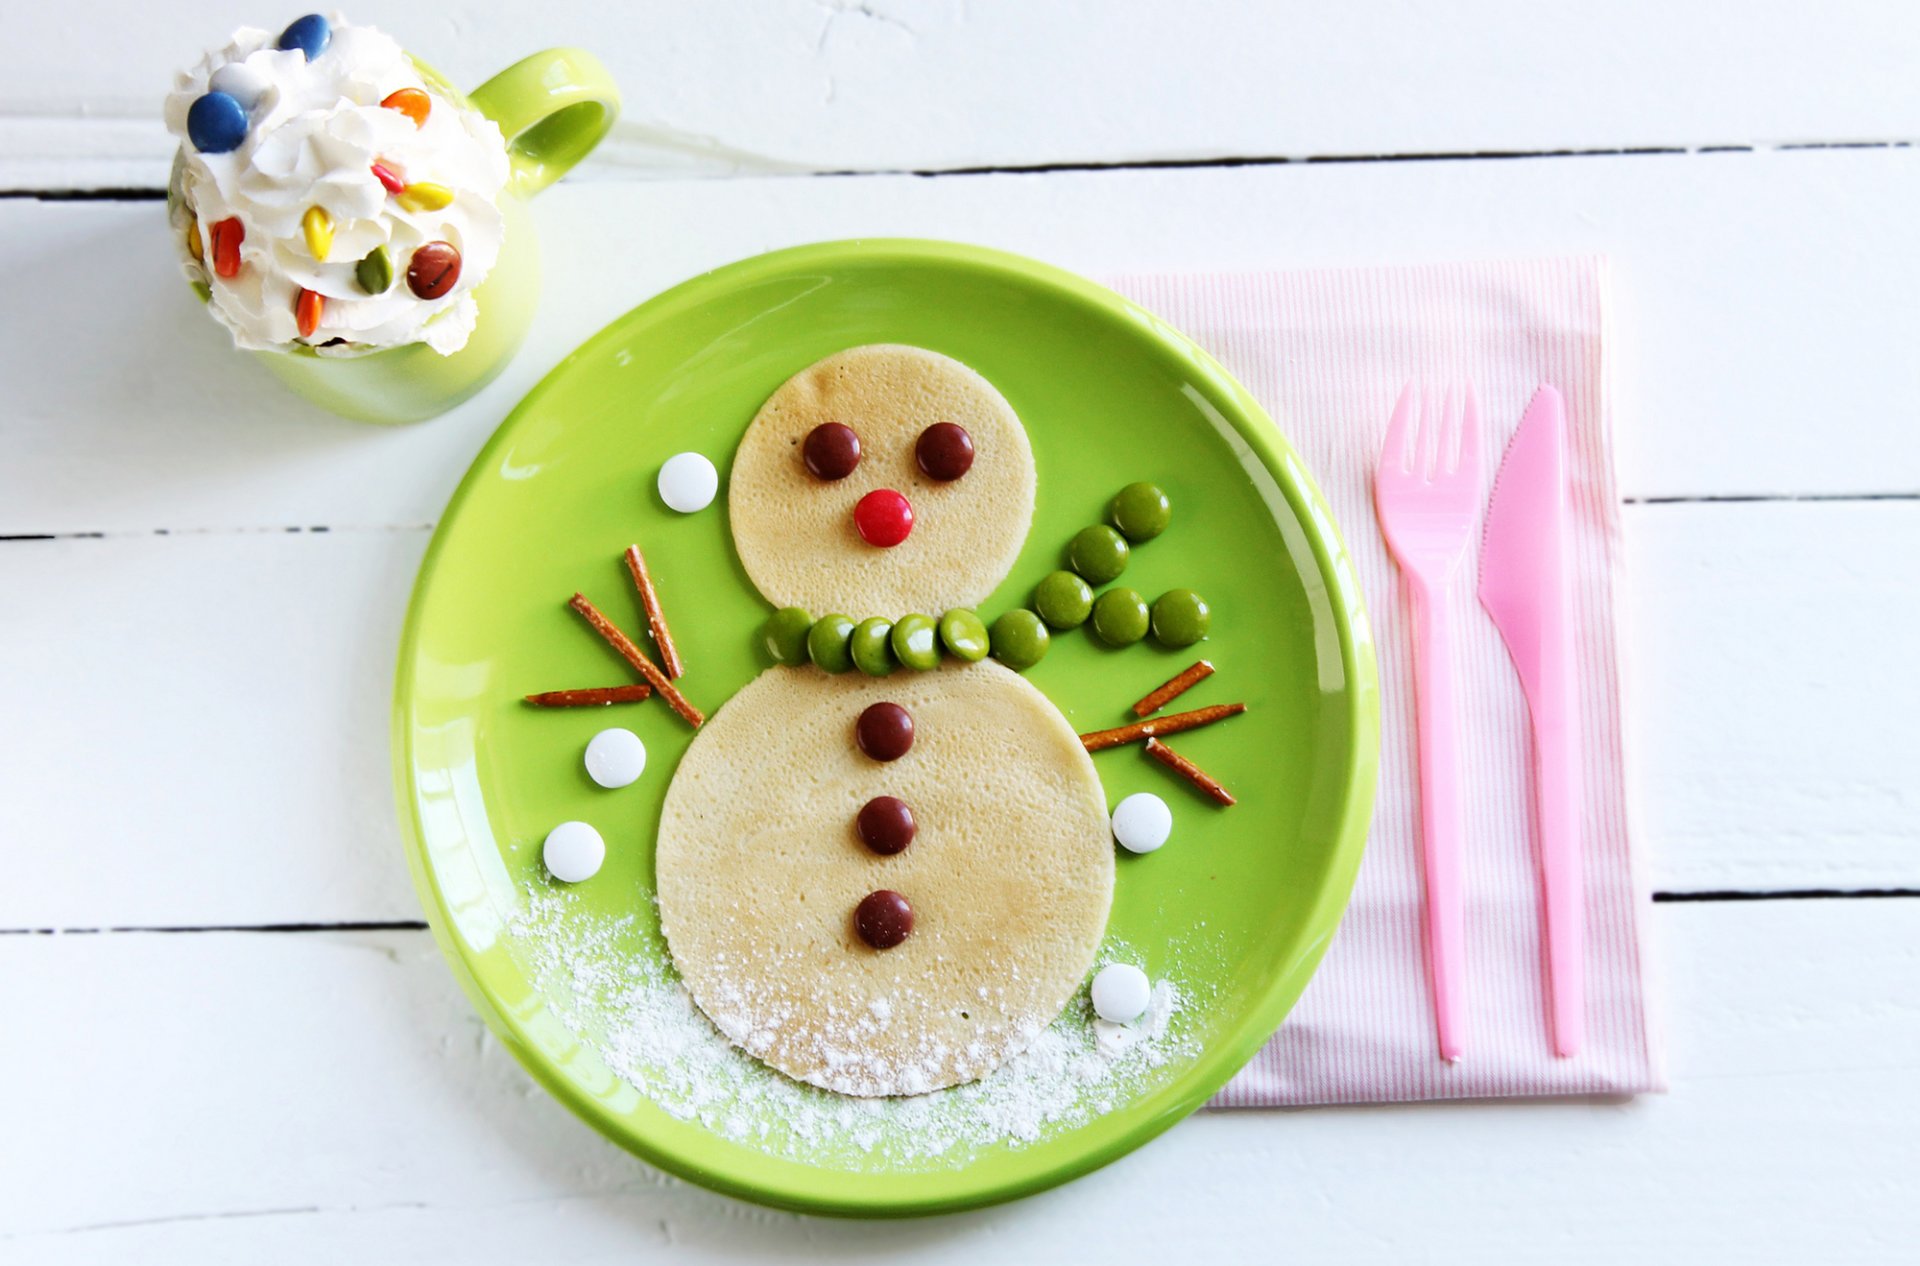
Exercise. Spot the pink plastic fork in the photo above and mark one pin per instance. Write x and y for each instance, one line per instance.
(1426, 491)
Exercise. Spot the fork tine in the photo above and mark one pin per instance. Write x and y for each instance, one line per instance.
(1398, 443)
(1432, 428)
(1456, 406)
(1469, 446)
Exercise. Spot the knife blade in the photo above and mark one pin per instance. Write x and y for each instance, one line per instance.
(1525, 587)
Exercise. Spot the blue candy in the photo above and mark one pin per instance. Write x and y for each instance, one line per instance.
(310, 35)
(216, 123)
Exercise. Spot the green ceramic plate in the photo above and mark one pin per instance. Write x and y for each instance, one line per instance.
(1236, 910)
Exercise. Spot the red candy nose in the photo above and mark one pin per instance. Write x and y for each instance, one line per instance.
(884, 517)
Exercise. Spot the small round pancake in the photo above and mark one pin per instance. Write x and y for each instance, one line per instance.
(1010, 876)
(795, 533)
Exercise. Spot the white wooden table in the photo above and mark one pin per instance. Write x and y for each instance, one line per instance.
(226, 1036)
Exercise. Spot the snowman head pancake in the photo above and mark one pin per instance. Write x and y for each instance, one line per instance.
(797, 525)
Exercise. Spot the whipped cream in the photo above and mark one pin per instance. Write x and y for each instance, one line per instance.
(314, 134)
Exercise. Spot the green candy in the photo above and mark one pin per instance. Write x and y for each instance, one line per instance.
(829, 643)
(1181, 617)
(1141, 511)
(1020, 639)
(202, 289)
(964, 634)
(375, 272)
(1120, 617)
(1063, 600)
(870, 646)
(784, 635)
(916, 641)
(1098, 553)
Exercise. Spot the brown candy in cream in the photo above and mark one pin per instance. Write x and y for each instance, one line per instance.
(434, 270)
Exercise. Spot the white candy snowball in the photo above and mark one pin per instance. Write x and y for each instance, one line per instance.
(1142, 822)
(1121, 992)
(573, 852)
(616, 757)
(688, 482)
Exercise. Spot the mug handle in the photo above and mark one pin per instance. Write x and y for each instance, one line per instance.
(553, 108)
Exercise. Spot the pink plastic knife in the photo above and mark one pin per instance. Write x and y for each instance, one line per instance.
(1524, 585)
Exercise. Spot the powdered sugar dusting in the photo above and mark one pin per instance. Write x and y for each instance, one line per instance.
(611, 984)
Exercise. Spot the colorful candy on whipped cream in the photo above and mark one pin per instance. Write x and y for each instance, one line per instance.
(327, 195)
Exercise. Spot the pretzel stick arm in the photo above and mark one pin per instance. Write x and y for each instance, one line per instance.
(1154, 727)
(1189, 771)
(635, 656)
(656, 618)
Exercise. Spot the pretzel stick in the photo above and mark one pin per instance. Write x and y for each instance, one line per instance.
(1168, 691)
(596, 696)
(1153, 727)
(635, 656)
(656, 618)
(1188, 770)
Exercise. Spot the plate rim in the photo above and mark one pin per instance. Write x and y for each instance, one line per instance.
(1250, 422)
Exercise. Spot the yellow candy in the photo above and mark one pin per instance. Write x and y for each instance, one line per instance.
(195, 247)
(318, 226)
(424, 197)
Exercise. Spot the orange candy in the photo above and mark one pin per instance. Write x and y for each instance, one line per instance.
(227, 236)
(306, 312)
(411, 102)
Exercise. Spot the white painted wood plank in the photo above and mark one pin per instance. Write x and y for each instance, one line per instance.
(197, 729)
(1774, 711)
(200, 720)
(326, 1097)
(1766, 315)
(758, 86)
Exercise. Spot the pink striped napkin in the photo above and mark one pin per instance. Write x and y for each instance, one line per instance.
(1327, 353)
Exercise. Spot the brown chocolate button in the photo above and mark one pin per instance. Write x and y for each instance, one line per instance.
(884, 731)
(883, 919)
(944, 451)
(831, 451)
(886, 825)
(433, 270)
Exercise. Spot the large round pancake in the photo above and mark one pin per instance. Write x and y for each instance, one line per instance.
(1010, 876)
(794, 533)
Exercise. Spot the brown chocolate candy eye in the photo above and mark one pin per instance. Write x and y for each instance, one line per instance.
(883, 919)
(886, 825)
(831, 451)
(884, 731)
(944, 451)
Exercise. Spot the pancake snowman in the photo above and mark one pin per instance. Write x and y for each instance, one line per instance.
(883, 884)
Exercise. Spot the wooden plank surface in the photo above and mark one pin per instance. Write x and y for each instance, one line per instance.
(294, 1098)
(1773, 708)
(195, 720)
(208, 720)
(1766, 354)
(835, 85)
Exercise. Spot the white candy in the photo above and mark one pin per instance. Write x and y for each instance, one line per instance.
(1142, 822)
(688, 482)
(573, 852)
(242, 82)
(616, 757)
(1121, 992)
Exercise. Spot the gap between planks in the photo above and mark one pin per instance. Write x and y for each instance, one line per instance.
(125, 193)
(1702, 897)
(364, 925)
(1788, 498)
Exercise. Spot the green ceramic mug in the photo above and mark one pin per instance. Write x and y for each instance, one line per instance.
(553, 108)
